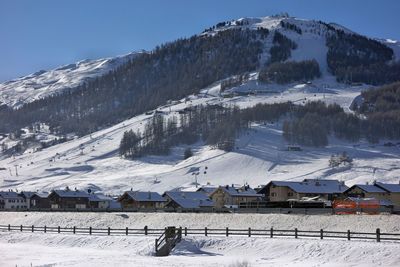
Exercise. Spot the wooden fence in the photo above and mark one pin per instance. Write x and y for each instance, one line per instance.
(378, 236)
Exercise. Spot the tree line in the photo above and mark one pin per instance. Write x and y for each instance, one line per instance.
(286, 72)
(310, 124)
(353, 58)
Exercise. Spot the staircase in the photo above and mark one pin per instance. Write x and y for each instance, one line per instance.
(168, 240)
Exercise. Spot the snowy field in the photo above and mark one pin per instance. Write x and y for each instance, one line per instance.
(52, 249)
(61, 250)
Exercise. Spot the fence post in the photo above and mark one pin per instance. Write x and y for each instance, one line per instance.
(249, 232)
(90, 230)
(74, 230)
(348, 234)
(227, 231)
(109, 230)
(205, 231)
(45, 229)
(185, 231)
(272, 232)
(126, 230)
(9, 227)
(378, 235)
(322, 233)
(21, 227)
(145, 230)
(59, 230)
(33, 228)
(295, 232)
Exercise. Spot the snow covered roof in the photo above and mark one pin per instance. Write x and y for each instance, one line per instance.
(207, 189)
(190, 200)
(71, 193)
(99, 197)
(369, 188)
(145, 196)
(244, 191)
(392, 188)
(8, 195)
(42, 194)
(314, 186)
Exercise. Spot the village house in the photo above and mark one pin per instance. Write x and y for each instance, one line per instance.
(276, 191)
(100, 201)
(12, 201)
(69, 199)
(394, 192)
(27, 196)
(141, 200)
(368, 191)
(387, 194)
(188, 200)
(231, 197)
(40, 200)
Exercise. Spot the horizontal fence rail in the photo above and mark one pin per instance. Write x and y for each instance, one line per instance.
(249, 232)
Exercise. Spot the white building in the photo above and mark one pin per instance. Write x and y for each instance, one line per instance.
(12, 201)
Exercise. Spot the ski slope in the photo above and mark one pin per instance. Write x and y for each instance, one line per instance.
(260, 156)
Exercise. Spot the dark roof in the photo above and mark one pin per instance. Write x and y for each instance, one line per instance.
(9, 194)
(392, 188)
(27, 194)
(145, 196)
(314, 186)
(369, 188)
(71, 193)
(190, 200)
(41, 194)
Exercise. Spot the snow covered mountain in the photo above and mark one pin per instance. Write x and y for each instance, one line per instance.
(92, 161)
(42, 84)
(311, 45)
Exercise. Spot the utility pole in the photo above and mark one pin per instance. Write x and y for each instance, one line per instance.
(16, 170)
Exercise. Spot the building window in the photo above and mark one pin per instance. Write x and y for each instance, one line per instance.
(273, 194)
(290, 194)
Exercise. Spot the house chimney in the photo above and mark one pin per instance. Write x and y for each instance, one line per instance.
(366, 183)
(149, 195)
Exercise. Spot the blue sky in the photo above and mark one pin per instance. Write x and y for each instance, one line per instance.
(44, 34)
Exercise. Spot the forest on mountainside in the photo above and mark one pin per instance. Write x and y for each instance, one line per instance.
(310, 124)
(353, 58)
(171, 71)
(287, 72)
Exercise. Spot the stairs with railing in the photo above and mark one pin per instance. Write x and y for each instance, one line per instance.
(168, 240)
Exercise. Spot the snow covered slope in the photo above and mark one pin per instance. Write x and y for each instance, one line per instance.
(260, 156)
(42, 84)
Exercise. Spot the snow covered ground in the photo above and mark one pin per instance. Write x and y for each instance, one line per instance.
(18, 249)
(51, 249)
